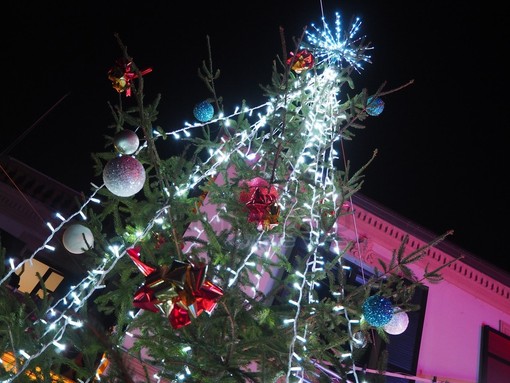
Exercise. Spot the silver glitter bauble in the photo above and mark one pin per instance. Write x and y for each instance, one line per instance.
(78, 238)
(124, 176)
(126, 142)
(359, 340)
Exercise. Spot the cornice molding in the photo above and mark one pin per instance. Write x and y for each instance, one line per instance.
(378, 238)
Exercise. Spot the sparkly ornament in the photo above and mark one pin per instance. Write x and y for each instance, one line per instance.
(203, 111)
(180, 291)
(398, 322)
(301, 61)
(377, 310)
(359, 340)
(78, 238)
(261, 201)
(375, 106)
(124, 176)
(126, 142)
(121, 75)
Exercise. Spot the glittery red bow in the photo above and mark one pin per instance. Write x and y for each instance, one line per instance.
(301, 61)
(261, 201)
(179, 291)
(122, 76)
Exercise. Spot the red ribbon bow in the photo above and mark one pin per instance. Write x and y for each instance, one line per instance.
(261, 201)
(180, 291)
(301, 61)
(122, 76)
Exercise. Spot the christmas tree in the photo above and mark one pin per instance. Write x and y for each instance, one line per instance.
(223, 262)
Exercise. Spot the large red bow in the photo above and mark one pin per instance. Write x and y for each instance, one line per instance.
(179, 291)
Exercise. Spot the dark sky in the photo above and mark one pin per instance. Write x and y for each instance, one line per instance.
(440, 141)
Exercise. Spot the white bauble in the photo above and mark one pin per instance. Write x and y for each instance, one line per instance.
(124, 176)
(398, 323)
(78, 238)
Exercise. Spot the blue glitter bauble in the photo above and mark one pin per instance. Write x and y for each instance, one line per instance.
(377, 310)
(375, 106)
(203, 111)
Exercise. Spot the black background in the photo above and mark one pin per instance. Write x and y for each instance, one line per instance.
(441, 140)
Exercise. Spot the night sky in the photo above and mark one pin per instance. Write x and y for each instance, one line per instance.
(440, 141)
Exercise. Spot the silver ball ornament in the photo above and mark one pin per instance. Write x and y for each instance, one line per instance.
(124, 176)
(78, 238)
(126, 142)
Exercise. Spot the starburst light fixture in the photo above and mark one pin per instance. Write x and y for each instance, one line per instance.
(337, 48)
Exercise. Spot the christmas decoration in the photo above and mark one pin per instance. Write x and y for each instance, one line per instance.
(359, 340)
(203, 111)
(126, 142)
(302, 60)
(377, 310)
(280, 300)
(261, 202)
(180, 291)
(398, 322)
(124, 176)
(375, 106)
(121, 75)
(77, 239)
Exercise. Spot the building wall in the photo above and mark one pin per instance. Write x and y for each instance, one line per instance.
(457, 307)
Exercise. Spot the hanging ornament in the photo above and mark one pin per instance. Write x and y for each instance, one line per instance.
(302, 60)
(377, 310)
(261, 201)
(375, 106)
(121, 75)
(77, 239)
(124, 176)
(359, 340)
(180, 291)
(398, 322)
(126, 142)
(203, 111)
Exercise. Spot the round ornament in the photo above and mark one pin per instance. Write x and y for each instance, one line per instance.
(377, 310)
(398, 323)
(375, 106)
(126, 142)
(359, 340)
(78, 238)
(203, 111)
(124, 176)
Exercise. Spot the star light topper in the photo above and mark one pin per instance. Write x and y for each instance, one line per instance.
(337, 48)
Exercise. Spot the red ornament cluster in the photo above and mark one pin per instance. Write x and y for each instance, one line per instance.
(302, 60)
(121, 75)
(180, 291)
(261, 201)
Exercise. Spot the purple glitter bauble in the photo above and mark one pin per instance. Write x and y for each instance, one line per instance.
(126, 142)
(375, 106)
(377, 310)
(203, 111)
(124, 176)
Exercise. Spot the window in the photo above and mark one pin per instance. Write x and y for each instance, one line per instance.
(494, 356)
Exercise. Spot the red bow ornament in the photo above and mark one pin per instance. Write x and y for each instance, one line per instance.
(179, 291)
(261, 201)
(121, 75)
(302, 60)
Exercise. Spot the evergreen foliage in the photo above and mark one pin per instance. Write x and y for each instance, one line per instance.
(255, 333)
